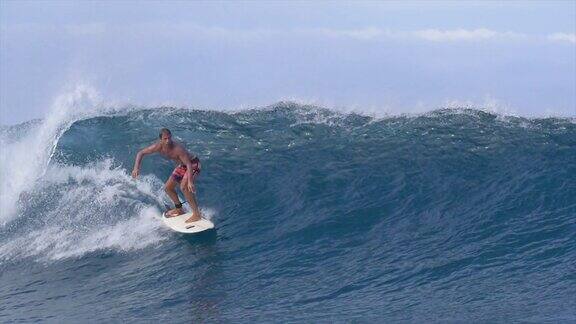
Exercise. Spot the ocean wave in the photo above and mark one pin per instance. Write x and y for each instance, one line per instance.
(314, 208)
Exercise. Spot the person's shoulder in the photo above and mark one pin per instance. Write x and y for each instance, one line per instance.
(179, 147)
(155, 146)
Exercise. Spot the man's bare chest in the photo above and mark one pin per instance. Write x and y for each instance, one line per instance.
(170, 154)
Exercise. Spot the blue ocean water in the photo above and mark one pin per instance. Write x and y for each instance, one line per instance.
(456, 215)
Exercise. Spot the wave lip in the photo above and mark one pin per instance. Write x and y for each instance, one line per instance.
(24, 160)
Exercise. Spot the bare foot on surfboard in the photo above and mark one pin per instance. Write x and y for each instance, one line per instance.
(193, 218)
(174, 212)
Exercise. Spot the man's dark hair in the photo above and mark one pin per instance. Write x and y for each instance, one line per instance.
(164, 131)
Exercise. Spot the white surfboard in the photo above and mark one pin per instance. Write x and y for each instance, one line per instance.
(178, 223)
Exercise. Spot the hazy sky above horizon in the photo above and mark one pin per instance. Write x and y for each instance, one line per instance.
(371, 56)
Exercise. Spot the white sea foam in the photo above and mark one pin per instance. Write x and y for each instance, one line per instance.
(60, 241)
(23, 161)
(92, 208)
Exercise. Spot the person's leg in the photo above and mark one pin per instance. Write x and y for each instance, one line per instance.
(170, 188)
(191, 198)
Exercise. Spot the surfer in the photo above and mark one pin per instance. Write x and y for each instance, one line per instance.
(185, 172)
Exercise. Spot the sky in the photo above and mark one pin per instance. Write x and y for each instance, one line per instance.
(518, 57)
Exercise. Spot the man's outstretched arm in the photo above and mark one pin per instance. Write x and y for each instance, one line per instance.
(149, 150)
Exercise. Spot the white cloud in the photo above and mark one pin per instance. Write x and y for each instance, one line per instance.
(563, 37)
(191, 30)
(362, 34)
(437, 35)
(433, 35)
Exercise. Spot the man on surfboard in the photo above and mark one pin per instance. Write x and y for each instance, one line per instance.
(185, 172)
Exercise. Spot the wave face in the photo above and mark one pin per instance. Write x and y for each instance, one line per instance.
(455, 215)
